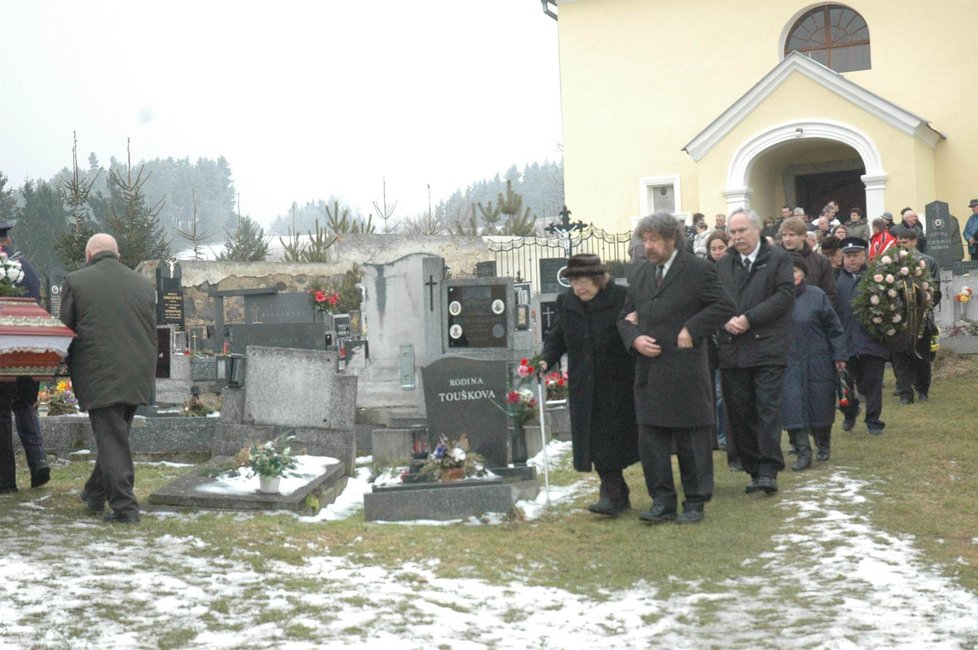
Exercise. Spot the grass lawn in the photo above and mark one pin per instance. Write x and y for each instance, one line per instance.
(921, 482)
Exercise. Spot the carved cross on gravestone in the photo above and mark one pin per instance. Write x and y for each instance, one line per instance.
(193, 344)
(171, 264)
(431, 292)
(548, 315)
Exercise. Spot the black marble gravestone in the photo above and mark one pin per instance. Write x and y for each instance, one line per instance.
(169, 304)
(477, 316)
(550, 280)
(942, 231)
(468, 396)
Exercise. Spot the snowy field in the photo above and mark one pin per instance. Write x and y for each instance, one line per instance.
(832, 581)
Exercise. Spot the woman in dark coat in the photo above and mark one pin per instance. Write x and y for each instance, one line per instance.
(817, 353)
(601, 374)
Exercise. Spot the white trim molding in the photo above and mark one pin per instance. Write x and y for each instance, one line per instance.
(888, 112)
(738, 191)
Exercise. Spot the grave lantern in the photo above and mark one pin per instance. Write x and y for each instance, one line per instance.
(230, 368)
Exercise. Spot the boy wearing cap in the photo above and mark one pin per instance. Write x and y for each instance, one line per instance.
(867, 356)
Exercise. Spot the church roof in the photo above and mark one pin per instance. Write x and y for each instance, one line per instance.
(888, 112)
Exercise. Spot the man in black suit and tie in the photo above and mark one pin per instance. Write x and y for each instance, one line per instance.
(675, 302)
(753, 346)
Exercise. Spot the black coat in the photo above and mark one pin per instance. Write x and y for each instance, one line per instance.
(820, 274)
(810, 379)
(766, 297)
(600, 377)
(858, 339)
(675, 389)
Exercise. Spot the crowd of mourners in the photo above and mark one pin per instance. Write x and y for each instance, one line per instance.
(726, 336)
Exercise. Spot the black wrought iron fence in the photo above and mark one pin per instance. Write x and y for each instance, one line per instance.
(519, 257)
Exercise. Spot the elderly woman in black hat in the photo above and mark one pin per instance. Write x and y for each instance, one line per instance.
(817, 353)
(601, 373)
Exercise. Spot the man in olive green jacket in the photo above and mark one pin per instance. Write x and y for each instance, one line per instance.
(112, 362)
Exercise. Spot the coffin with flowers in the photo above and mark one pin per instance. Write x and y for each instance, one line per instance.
(32, 342)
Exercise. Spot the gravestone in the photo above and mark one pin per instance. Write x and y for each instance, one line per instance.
(54, 292)
(468, 396)
(341, 325)
(480, 314)
(164, 348)
(548, 316)
(169, 292)
(942, 230)
(550, 280)
(293, 307)
(300, 336)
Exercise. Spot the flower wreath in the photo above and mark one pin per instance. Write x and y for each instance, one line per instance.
(896, 291)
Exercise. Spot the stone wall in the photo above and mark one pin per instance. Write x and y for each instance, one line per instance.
(461, 255)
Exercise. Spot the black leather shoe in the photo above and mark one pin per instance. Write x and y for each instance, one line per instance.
(823, 454)
(922, 397)
(40, 476)
(609, 506)
(10, 489)
(848, 424)
(658, 514)
(94, 503)
(121, 518)
(767, 484)
(692, 514)
(875, 432)
(752, 486)
(735, 466)
(904, 401)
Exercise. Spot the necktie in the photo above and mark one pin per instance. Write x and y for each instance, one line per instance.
(747, 265)
(658, 275)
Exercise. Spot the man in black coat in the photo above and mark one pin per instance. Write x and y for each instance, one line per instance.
(675, 302)
(20, 396)
(753, 346)
(911, 361)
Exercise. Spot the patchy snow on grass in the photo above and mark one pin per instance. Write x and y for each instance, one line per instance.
(833, 580)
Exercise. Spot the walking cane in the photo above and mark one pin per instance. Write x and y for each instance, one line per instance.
(543, 436)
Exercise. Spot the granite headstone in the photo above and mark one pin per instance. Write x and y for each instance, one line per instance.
(942, 230)
(468, 396)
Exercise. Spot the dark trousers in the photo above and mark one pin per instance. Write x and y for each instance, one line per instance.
(113, 475)
(867, 373)
(8, 467)
(28, 424)
(753, 399)
(913, 370)
(694, 448)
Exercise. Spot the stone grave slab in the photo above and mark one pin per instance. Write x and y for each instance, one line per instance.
(465, 395)
(444, 501)
(200, 489)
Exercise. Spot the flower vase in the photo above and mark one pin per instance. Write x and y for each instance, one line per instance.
(268, 484)
(453, 474)
(518, 446)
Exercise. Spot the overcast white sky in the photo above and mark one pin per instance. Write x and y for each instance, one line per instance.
(305, 99)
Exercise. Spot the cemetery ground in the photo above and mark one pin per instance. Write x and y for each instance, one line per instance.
(876, 548)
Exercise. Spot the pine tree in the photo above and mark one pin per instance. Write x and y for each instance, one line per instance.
(518, 220)
(8, 204)
(41, 223)
(74, 194)
(196, 237)
(247, 243)
(135, 226)
(387, 212)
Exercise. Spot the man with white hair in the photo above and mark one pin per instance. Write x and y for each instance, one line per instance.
(753, 346)
(112, 362)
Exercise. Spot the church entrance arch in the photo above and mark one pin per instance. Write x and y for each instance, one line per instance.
(855, 162)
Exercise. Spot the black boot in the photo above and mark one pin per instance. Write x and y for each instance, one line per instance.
(613, 495)
(662, 510)
(692, 513)
(800, 439)
(823, 442)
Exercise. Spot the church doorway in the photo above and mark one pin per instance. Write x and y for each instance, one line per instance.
(814, 191)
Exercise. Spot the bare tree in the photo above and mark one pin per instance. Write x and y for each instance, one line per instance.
(193, 236)
(386, 212)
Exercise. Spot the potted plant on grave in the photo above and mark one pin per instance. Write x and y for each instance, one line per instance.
(556, 385)
(270, 462)
(521, 406)
(453, 460)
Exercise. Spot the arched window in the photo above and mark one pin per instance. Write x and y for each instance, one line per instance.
(834, 35)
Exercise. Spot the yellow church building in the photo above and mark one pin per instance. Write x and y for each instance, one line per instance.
(709, 105)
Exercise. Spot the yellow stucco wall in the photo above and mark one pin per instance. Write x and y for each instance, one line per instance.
(641, 78)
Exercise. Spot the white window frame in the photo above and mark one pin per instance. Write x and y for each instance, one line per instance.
(650, 184)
